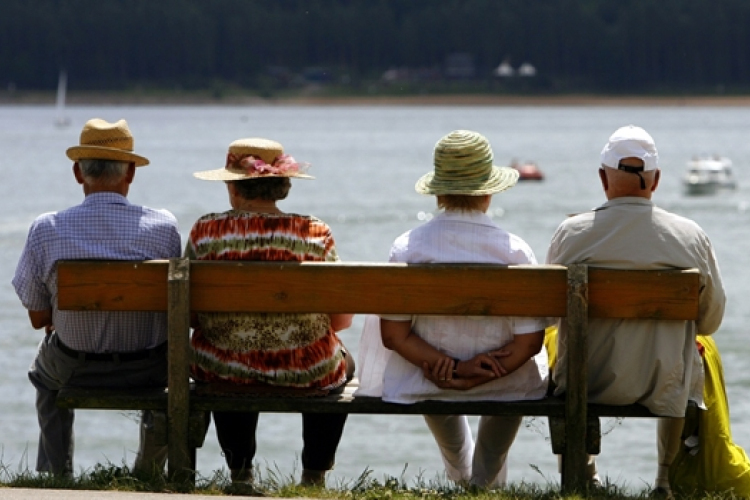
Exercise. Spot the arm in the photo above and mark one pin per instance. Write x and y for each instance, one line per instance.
(341, 321)
(523, 347)
(712, 296)
(42, 319)
(510, 357)
(398, 336)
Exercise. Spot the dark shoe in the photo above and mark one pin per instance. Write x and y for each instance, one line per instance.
(242, 475)
(242, 483)
(244, 489)
(313, 478)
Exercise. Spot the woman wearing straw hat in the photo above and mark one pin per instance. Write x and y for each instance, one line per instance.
(258, 349)
(463, 358)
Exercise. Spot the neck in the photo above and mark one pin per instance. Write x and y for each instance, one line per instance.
(258, 206)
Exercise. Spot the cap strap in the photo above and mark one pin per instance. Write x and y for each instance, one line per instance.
(633, 170)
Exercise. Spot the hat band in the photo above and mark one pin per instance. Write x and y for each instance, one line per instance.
(110, 142)
(283, 165)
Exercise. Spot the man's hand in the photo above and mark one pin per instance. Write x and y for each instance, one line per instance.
(42, 319)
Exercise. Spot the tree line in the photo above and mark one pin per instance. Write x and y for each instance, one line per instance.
(642, 46)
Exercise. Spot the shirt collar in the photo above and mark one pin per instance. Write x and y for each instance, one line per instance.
(626, 200)
(105, 198)
(473, 217)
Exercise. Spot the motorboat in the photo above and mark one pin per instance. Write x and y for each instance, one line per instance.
(528, 171)
(708, 175)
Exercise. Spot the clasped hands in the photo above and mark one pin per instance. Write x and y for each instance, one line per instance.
(450, 373)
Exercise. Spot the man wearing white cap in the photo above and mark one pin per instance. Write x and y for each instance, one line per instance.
(653, 363)
(94, 349)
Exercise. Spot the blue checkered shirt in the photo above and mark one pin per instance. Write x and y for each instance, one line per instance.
(104, 226)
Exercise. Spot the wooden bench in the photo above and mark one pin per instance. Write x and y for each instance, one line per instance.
(180, 287)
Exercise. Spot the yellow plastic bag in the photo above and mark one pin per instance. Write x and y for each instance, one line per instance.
(719, 465)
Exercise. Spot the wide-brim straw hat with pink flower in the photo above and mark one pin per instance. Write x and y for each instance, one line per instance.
(256, 158)
(464, 166)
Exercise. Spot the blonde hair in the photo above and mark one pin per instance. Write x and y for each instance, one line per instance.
(460, 202)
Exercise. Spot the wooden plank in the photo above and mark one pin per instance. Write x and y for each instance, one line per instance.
(180, 456)
(667, 294)
(379, 288)
(110, 398)
(373, 288)
(345, 403)
(112, 286)
(103, 398)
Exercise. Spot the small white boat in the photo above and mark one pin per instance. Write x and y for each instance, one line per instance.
(709, 175)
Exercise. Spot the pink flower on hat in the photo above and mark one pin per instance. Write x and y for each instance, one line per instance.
(283, 165)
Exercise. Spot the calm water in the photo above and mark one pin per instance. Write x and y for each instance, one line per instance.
(366, 160)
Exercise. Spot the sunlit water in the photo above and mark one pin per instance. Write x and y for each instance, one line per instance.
(366, 160)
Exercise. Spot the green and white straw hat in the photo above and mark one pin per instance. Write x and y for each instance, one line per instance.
(463, 165)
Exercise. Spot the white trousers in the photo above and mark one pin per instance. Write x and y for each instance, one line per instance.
(482, 464)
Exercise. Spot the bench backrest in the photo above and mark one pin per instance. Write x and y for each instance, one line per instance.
(377, 288)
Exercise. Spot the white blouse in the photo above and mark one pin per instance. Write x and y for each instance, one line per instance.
(459, 238)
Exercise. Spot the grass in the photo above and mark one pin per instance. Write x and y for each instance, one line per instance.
(272, 483)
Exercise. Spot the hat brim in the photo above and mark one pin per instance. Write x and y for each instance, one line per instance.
(76, 153)
(223, 174)
(500, 179)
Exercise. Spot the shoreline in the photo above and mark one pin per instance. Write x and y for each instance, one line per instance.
(202, 98)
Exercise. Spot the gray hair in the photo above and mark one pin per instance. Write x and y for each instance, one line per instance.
(103, 172)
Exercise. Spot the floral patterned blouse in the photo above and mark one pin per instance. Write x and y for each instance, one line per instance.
(292, 350)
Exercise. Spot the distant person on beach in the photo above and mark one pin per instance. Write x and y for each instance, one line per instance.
(455, 358)
(94, 349)
(654, 363)
(283, 351)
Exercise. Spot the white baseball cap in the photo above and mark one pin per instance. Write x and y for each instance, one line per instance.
(630, 142)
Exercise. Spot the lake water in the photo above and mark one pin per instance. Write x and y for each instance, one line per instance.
(366, 160)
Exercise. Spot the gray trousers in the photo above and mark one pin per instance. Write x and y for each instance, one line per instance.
(52, 369)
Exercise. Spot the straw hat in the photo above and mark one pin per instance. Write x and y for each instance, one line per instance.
(255, 158)
(101, 140)
(463, 165)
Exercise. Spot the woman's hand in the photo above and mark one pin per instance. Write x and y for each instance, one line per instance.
(482, 365)
(447, 379)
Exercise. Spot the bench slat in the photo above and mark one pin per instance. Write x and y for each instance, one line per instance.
(373, 288)
(98, 398)
(156, 399)
(378, 288)
(112, 286)
(633, 294)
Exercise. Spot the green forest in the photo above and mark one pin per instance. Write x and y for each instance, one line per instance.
(547, 46)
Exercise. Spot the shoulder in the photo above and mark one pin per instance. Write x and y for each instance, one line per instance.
(676, 220)
(312, 220)
(44, 223)
(161, 214)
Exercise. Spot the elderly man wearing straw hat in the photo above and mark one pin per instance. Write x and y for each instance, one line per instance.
(94, 349)
(463, 358)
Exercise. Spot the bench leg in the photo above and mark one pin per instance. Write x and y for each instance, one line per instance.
(574, 455)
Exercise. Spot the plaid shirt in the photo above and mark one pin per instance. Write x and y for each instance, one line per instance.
(105, 226)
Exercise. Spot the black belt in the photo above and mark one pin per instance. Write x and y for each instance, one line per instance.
(117, 357)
